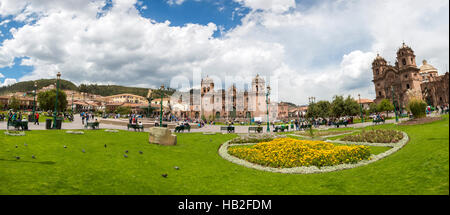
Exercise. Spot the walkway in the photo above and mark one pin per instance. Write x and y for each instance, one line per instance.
(76, 124)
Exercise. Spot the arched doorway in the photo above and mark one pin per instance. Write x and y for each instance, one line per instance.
(217, 115)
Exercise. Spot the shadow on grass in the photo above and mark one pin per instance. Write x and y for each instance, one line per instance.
(38, 162)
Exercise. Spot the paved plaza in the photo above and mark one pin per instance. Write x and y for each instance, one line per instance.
(76, 124)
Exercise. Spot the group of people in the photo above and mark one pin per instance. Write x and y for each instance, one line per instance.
(134, 119)
(86, 116)
(14, 117)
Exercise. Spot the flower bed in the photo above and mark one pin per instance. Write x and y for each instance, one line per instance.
(74, 132)
(254, 138)
(321, 133)
(289, 152)
(111, 130)
(375, 136)
(15, 133)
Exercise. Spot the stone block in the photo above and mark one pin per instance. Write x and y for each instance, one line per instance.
(162, 136)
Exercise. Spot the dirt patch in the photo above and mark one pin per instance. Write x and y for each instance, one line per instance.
(420, 121)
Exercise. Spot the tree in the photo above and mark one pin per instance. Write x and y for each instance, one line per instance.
(337, 106)
(385, 105)
(47, 100)
(373, 108)
(351, 107)
(313, 111)
(123, 110)
(417, 108)
(319, 109)
(14, 103)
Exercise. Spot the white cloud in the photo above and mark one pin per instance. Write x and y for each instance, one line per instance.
(176, 2)
(272, 5)
(319, 50)
(7, 82)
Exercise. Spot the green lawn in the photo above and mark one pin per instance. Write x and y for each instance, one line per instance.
(421, 167)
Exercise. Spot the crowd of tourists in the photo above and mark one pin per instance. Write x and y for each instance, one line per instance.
(86, 116)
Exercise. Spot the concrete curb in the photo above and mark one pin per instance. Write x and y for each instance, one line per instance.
(223, 152)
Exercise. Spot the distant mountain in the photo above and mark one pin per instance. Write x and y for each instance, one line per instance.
(103, 90)
(28, 86)
(290, 104)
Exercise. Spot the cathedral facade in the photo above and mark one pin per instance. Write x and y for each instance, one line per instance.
(221, 105)
(404, 80)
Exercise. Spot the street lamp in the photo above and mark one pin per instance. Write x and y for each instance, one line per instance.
(267, 102)
(34, 102)
(58, 76)
(160, 115)
(71, 107)
(360, 108)
(393, 101)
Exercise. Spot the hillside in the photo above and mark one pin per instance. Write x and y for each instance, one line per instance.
(103, 90)
(28, 86)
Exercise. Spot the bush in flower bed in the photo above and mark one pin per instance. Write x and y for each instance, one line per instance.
(257, 138)
(375, 136)
(320, 133)
(289, 152)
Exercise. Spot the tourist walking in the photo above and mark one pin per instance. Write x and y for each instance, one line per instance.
(36, 118)
(82, 118)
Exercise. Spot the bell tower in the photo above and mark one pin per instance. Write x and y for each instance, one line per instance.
(379, 66)
(406, 57)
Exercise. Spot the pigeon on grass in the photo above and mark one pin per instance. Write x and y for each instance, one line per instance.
(164, 175)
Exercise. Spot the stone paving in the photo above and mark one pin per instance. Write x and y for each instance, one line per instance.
(76, 124)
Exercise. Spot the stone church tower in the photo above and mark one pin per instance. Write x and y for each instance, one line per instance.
(405, 78)
(398, 79)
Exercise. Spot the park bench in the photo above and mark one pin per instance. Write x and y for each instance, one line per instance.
(93, 125)
(229, 129)
(163, 125)
(183, 127)
(281, 128)
(345, 123)
(18, 125)
(135, 127)
(255, 129)
(376, 121)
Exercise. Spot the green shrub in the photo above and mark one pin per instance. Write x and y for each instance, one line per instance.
(375, 136)
(417, 108)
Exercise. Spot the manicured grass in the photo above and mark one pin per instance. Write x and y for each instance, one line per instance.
(421, 167)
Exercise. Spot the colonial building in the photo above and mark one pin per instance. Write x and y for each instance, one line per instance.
(213, 104)
(404, 79)
(365, 103)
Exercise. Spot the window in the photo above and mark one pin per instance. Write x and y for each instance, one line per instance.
(379, 93)
(377, 72)
(406, 76)
(404, 61)
(407, 86)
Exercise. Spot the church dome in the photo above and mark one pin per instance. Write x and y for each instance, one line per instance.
(258, 79)
(427, 68)
(207, 80)
(404, 49)
(379, 60)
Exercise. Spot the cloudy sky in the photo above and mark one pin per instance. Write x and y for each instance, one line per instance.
(312, 48)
